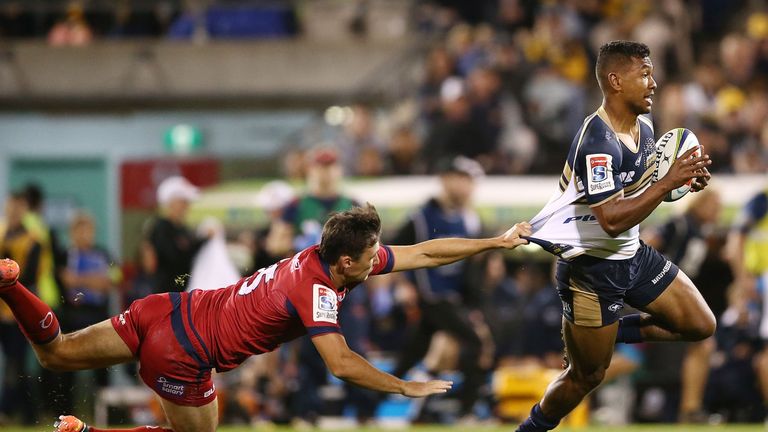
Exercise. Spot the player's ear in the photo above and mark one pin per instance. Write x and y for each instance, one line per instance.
(346, 261)
(614, 80)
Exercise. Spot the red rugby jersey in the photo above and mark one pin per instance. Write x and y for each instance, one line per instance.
(276, 304)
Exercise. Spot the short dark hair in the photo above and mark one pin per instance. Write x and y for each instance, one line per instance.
(350, 233)
(618, 51)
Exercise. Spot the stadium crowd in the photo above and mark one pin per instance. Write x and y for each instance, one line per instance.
(505, 83)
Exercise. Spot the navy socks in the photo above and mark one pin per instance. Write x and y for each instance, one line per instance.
(629, 330)
(537, 422)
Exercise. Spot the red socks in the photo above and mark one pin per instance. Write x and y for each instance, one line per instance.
(35, 318)
(137, 429)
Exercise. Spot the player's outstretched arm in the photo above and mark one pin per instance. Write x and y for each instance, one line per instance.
(620, 214)
(349, 366)
(434, 253)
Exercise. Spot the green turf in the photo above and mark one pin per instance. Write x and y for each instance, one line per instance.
(649, 428)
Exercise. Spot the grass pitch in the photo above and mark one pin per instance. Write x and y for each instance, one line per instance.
(505, 428)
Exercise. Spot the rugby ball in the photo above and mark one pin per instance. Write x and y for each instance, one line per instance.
(669, 147)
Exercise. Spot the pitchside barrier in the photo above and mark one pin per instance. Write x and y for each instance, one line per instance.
(500, 200)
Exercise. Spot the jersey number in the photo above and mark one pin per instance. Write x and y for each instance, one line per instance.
(266, 273)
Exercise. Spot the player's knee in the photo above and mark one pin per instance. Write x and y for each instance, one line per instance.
(54, 357)
(51, 361)
(588, 381)
(702, 327)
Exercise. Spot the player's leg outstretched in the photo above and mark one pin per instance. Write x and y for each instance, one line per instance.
(94, 347)
(680, 313)
(589, 354)
(182, 419)
(70, 423)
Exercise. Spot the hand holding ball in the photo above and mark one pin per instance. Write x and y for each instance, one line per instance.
(669, 148)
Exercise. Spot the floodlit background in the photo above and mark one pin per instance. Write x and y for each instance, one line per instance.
(257, 102)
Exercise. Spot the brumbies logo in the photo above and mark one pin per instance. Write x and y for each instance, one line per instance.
(600, 178)
(324, 304)
(170, 387)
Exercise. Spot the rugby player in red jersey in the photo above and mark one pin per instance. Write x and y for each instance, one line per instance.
(178, 338)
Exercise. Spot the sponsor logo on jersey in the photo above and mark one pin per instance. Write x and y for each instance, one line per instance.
(209, 392)
(615, 307)
(661, 274)
(47, 320)
(170, 387)
(600, 177)
(566, 307)
(639, 160)
(583, 218)
(626, 177)
(121, 318)
(324, 304)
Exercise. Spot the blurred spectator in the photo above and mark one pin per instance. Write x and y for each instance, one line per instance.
(484, 91)
(439, 66)
(267, 248)
(403, 152)
(302, 220)
(393, 307)
(22, 246)
(686, 239)
(748, 247)
(456, 133)
(295, 165)
(51, 254)
(72, 30)
(525, 314)
(143, 282)
(90, 276)
(360, 149)
(738, 55)
(443, 293)
(173, 243)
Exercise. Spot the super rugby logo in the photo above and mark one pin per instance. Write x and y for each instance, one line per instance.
(600, 177)
(324, 304)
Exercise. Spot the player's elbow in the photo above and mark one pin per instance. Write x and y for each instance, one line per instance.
(339, 370)
(341, 367)
(613, 229)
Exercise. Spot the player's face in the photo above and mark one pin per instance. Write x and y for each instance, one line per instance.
(362, 267)
(639, 85)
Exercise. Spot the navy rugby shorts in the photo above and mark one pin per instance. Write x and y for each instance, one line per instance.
(594, 290)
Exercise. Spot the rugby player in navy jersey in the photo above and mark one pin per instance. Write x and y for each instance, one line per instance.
(178, 338)
(593, 225)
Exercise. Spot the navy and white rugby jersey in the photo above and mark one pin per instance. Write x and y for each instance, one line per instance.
(599, 167)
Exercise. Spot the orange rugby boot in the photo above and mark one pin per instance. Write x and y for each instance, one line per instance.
(9, 272)
(69, 424)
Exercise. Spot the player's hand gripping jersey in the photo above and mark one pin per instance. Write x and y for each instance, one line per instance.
(599, 167)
